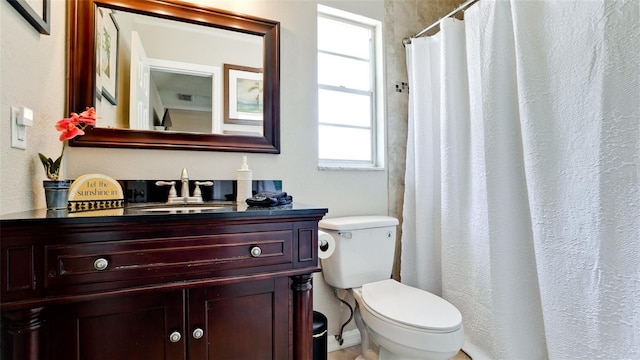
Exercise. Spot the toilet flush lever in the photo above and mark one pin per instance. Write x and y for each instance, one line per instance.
(346, 234)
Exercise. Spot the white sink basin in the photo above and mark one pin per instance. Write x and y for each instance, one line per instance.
(183, 208)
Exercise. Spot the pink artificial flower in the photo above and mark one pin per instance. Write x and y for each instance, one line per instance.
(74, 125)
(69, 128)
(88, 116)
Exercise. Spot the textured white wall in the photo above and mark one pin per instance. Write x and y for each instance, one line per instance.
(32, 74)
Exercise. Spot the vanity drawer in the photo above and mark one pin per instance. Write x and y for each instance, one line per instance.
(154, 260)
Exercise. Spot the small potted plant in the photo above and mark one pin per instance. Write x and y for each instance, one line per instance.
(56, 190)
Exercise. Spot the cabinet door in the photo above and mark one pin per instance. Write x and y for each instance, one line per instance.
(241, 321)
(124, 328)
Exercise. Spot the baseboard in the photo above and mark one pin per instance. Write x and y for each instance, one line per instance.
(474, 352)
(350, 338)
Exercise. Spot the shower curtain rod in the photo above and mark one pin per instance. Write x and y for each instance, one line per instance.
(462, 7)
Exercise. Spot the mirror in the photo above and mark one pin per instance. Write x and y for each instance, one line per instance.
(224, 96)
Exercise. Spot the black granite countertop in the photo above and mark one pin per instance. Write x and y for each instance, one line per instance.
(215, 209)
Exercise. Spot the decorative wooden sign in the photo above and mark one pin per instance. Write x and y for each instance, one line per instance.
(91, 192)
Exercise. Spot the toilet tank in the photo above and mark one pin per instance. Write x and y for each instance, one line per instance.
(364, 250)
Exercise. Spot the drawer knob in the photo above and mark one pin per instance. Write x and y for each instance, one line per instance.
(175, 337)
(256, 251)
(100, 264)
(197, 333)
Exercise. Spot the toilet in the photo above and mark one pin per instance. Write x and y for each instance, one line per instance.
(405, 323)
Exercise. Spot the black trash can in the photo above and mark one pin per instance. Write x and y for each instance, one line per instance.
(319, 336)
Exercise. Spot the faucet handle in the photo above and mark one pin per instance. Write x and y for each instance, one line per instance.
(204, 183)
(172, 191)
(196, 192)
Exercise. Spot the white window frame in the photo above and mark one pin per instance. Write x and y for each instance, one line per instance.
(377, 87)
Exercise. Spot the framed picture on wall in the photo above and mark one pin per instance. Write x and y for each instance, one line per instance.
(108, 64)
(243, 95)
(36, 12)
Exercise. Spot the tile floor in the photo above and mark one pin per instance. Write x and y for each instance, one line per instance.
(353, 352)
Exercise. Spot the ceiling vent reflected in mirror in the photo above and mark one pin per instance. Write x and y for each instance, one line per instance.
(182, 91)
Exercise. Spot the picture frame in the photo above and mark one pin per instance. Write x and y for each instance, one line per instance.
(36, 12)
(107, 41)
(243, 95)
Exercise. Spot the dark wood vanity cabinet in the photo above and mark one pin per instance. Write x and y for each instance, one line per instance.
(202, 286)
(126, 327)
(235, 321)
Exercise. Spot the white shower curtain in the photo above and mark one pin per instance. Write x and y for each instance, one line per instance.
(522, 188)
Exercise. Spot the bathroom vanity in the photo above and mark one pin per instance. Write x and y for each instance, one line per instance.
(222, 283)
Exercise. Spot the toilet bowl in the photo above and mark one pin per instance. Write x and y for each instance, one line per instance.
(409, 323)
(406, 323)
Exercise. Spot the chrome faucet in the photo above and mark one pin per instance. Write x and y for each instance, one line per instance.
(184, 192)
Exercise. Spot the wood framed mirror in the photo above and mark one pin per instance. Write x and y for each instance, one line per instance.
(85, 88)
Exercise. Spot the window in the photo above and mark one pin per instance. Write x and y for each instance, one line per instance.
(349, 131)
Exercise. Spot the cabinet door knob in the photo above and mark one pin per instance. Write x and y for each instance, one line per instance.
(100, 264)
(175, 337)
(197, 333)
(256, 251)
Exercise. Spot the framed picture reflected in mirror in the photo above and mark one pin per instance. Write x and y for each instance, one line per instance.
(243, 95)
(107, 62)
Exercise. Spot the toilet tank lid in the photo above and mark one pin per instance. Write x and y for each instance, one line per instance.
(357, 222)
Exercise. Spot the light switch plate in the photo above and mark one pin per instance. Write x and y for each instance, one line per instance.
(18, 132)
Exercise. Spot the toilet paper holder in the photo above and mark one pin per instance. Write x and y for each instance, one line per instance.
(326, 245)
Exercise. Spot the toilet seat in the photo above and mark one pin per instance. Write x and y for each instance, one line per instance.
(411, 307)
